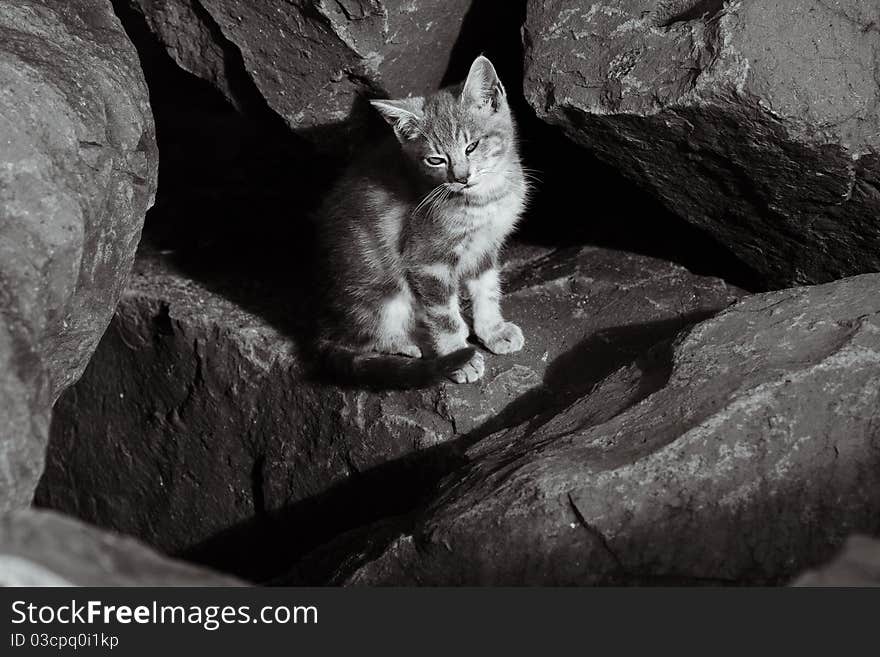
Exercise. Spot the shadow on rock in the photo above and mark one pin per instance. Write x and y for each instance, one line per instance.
(576, 372)
(365, 512)
(237, 188)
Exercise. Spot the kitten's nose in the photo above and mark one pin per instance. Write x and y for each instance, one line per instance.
(460, 173)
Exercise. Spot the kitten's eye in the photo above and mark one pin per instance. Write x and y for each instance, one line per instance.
(471, 147)
(435, 161)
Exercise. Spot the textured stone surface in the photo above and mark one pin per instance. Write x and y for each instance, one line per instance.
(196, 429)
(309, 58)
(44, 548)
(753, 461)
(77, 173)
(757, 121)
(858, 564)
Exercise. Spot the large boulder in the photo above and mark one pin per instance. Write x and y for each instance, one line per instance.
(755, 456)
(44, 548)
(78, 167)
(757, 121)
(198, 429)
(309, 59)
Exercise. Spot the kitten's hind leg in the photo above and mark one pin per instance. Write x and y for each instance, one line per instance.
(496, 334)
(395, 326)
(437, 290)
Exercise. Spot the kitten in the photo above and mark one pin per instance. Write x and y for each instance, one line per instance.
(415, 222)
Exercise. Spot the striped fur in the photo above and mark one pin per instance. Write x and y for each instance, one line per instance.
(418, 221)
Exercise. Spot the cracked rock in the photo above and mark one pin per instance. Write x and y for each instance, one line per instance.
(756, 121)
(197, 430)
(78, 166)
(44, 548)
(755, 455)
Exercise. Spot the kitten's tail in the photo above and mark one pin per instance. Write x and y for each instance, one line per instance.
(384, 371)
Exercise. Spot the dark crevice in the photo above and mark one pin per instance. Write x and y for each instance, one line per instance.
(245, 94)
(670, 12)
(162, 324)
(257, 491)
(595, 534)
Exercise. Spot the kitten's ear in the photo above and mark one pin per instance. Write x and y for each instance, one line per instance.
(482, 87)
(403, 115)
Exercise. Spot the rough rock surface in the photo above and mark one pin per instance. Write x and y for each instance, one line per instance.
(77, 173)
(858, 564)
(753, 461)
(196, 429)
(309, 59)
(44, 548)
(757, 121)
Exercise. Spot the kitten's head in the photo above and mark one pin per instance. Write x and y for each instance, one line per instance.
(462, 137)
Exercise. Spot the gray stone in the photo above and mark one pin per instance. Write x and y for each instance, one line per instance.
(309, 59)
(44, 548)
(78, 167)
(756, 121)
(197, 429)
(858, 564)
(753, 456)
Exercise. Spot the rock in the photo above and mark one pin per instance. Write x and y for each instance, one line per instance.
(197, 429)
(78, 168)
(44, 548)
(858, 564)
(309, 59)
(751, 458)
(757, 122)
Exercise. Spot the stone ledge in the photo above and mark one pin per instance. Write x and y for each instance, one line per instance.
(196, 429)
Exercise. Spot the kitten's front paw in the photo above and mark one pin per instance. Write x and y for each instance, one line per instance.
(472, 371)
(506, 340)
(409, 350)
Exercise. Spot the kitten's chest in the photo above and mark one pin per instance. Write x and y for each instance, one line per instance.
(499, 214)
(491, 224)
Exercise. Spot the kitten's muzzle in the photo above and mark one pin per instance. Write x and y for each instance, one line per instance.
(459, 172)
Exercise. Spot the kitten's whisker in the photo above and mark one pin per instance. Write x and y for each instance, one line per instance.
(434, 198)
(427, 199)
(439, 198)
(533, 174)
(444, 192)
